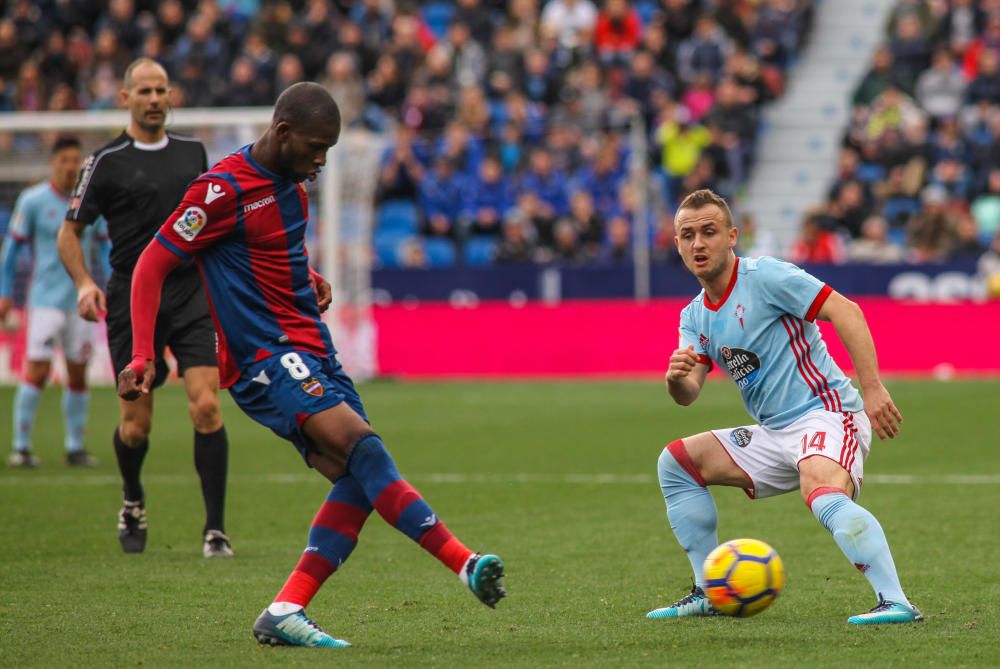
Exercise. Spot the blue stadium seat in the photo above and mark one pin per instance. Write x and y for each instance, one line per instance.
(897, 209)
(440, 252)
(647, 11)
(398, 216)
(870, 172)
(479, 250)
(898, 236)
(388, 245)
(438, 17)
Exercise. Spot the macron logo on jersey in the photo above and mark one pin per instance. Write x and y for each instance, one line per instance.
(247, 208)
(213, 193)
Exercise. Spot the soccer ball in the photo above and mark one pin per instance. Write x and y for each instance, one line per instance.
(743, 577)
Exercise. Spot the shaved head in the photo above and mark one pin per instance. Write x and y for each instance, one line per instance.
(146, 94)
(146, 64)
(307, 106)
(305, 125)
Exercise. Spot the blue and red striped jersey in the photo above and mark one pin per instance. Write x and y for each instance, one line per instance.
(246, 227)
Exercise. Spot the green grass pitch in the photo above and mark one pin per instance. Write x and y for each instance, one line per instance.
(558, 478)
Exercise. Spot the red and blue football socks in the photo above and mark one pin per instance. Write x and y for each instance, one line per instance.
(372, 482)
(401, 505)
(861, 538)
(690, 507)
(332, 538)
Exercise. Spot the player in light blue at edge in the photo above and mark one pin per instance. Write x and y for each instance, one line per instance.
(52, 315)
(755, 318)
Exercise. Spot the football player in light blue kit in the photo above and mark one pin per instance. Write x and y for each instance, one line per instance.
(755, 319)
(52, 316)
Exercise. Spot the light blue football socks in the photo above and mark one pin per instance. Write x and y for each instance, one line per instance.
(690, 508)
(862, 540)
(25, 409)
(74, 406)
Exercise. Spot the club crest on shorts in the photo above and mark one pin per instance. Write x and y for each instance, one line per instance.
(313, 387)
(190, 223)
(741, 436)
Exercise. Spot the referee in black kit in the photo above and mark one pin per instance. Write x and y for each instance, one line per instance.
(135, 182)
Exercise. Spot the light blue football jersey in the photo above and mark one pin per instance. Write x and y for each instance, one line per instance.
(763, 334)
(38, 215)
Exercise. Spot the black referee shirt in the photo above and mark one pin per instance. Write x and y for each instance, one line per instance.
(135, 186)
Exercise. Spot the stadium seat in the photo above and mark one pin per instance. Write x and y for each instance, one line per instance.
(398, 216)
(388, 245)
(897, 209)
(479, 251)
(870, 172)
(647, 11)
(897, 236)
(438, 17)
(440, 252)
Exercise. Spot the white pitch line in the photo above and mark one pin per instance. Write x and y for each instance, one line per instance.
(85, 479)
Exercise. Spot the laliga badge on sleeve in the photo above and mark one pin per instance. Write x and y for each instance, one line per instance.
(190, 223)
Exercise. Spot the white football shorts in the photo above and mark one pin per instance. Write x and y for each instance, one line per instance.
(49, 327)
(771, 457)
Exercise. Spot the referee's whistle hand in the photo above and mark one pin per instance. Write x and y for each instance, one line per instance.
(90, 302)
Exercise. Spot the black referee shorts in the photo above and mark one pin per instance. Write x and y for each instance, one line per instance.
(184, 323)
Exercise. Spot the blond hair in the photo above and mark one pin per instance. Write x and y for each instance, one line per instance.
(705, 197)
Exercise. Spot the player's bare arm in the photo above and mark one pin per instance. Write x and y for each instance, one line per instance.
(685, 376)
(90, 300)
(849, 322)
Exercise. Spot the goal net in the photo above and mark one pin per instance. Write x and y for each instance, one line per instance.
(341, 214)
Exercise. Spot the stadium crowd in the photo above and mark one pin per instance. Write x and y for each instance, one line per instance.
(509, 119)
(918, 176)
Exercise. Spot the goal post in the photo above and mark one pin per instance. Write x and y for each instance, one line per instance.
(341, 205)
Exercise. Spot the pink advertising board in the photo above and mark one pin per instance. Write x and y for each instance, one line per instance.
(622, 338)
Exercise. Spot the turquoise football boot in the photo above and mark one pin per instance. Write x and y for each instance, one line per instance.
(293, 629)
(693, 604)
(888, 613)
(485, 573)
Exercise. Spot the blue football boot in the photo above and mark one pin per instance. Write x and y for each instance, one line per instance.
(887, 613)
(484, 573)
(293, 629)
(693, 604)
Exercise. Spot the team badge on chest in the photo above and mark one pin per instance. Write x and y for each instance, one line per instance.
(313, 387)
